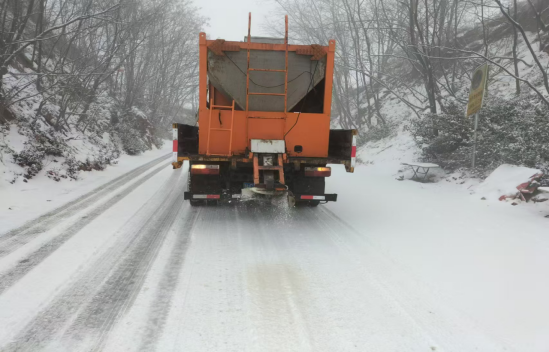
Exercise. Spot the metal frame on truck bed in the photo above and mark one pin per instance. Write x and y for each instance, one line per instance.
(264, 121)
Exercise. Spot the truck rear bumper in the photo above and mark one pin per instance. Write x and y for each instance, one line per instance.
(223, 196)
(236, 196)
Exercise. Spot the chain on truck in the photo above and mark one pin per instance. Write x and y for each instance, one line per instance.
(263, 122)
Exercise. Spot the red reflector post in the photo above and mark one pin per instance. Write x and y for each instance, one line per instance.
(205, 169)
(318, 171)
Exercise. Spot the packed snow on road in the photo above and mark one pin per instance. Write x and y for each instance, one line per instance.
(392, 266)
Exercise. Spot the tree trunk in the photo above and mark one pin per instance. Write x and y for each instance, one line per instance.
(515, 44)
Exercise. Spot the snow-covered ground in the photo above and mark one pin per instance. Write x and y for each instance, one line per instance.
(24, 201)
(392, 266)
(485, 260)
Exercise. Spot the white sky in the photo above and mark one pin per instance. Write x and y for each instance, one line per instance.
(229, 18)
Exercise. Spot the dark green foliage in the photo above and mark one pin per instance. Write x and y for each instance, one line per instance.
(31, 159)
(132, 141)
(136, 133)
(512, 131)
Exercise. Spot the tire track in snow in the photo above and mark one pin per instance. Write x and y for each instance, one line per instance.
(11, 276)
(64, 321)
(207, 302)
(160, 305)
(117, 294)
(276, 286)
(120, 290)
(18, 237)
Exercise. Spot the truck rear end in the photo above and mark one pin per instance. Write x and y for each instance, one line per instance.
(263, 122)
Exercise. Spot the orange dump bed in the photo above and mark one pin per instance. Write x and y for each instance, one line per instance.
(255, 90)
(265, 89)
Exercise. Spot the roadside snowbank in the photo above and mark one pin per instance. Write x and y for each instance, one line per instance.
(504, 180)
(21, 202)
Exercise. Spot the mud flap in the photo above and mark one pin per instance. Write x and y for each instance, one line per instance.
(294, 199)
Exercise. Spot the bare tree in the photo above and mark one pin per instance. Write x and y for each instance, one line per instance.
(519, 27)
(413, 50)
(141, 54)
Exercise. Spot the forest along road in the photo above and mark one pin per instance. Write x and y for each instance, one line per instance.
(131, 266)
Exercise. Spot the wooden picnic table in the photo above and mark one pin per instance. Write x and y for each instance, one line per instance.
(421, 169)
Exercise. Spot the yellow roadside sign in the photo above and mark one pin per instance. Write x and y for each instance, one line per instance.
(478, 86)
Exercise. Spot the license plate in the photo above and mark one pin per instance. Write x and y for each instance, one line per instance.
(248, 185)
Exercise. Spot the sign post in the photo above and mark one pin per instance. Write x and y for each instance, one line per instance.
(476, 99)
(474, 143)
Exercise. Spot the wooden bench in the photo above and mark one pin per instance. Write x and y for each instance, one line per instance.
(421, 169)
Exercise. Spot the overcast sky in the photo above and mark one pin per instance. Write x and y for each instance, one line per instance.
(229, 18)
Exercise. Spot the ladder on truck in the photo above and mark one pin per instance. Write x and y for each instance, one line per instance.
(210, 129)
(267, 170)
(250, 69)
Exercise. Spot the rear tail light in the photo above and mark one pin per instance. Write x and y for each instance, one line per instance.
(318, 171)
(205, 169)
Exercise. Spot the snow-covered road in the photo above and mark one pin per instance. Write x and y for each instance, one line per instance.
(131, 266)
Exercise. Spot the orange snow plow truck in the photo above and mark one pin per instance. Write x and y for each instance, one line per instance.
(263, 122)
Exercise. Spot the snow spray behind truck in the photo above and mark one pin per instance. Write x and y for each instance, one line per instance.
(263, 122)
